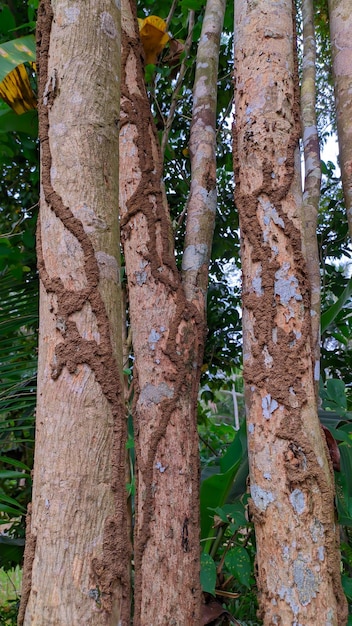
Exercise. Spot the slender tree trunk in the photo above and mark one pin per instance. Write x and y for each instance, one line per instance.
(77, 565)
(340, 20)
(292, 486)
(312, 177)
(201, 206)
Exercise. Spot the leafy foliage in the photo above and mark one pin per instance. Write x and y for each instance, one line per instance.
(8, 612)
(227, 536)
(337, 415)
(10, 583)
(18, 321)
(335, 252)
(19, 305)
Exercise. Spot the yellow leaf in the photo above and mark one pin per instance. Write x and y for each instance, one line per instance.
(16, 90)
(153, 36)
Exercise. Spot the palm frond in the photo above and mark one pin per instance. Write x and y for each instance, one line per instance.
(18, 363)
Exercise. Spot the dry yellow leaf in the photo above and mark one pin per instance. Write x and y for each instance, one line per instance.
(153, 36)
(16, 90)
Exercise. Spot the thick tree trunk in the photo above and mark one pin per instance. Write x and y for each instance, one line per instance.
(77, 539)
(168, 340)
(292, 486)
(340, 20)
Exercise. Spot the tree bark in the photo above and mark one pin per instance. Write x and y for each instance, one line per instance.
(292, 485)
(340, 20)
(168, 339)
(201, 205)
(312, 177)
(80, 547)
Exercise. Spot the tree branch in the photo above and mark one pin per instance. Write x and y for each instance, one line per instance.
(202, 198)
(312, 180)
(179, 83)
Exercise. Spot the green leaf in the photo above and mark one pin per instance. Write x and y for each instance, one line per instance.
(213, 494)
(324, 169)
(14, 462)
(7, 20)
(26, 123)
(238, 562)
(347, 586)
(207, 573)
(8, 500)
(340, 435)
(215, 490)
(11, 511)
(149, 72)
(9, 474)
(336, 393)
(236, 449)
(346, 465)
(340, 338)
(344, 486)
(192, 5)
(32, 8)
(235, 511)
(329, 316)
(15, 52)
(130, 443)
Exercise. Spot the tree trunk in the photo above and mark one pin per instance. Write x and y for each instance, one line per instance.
(77, 539)
(312, 177)
(340, 20)
(168, 323)
(201, 205)
(292, 485)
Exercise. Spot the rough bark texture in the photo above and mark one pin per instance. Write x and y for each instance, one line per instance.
(80, 559)
(340, 19)
(168, 338)
(292, 487)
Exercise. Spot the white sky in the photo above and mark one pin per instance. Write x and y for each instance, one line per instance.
(330, 152)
